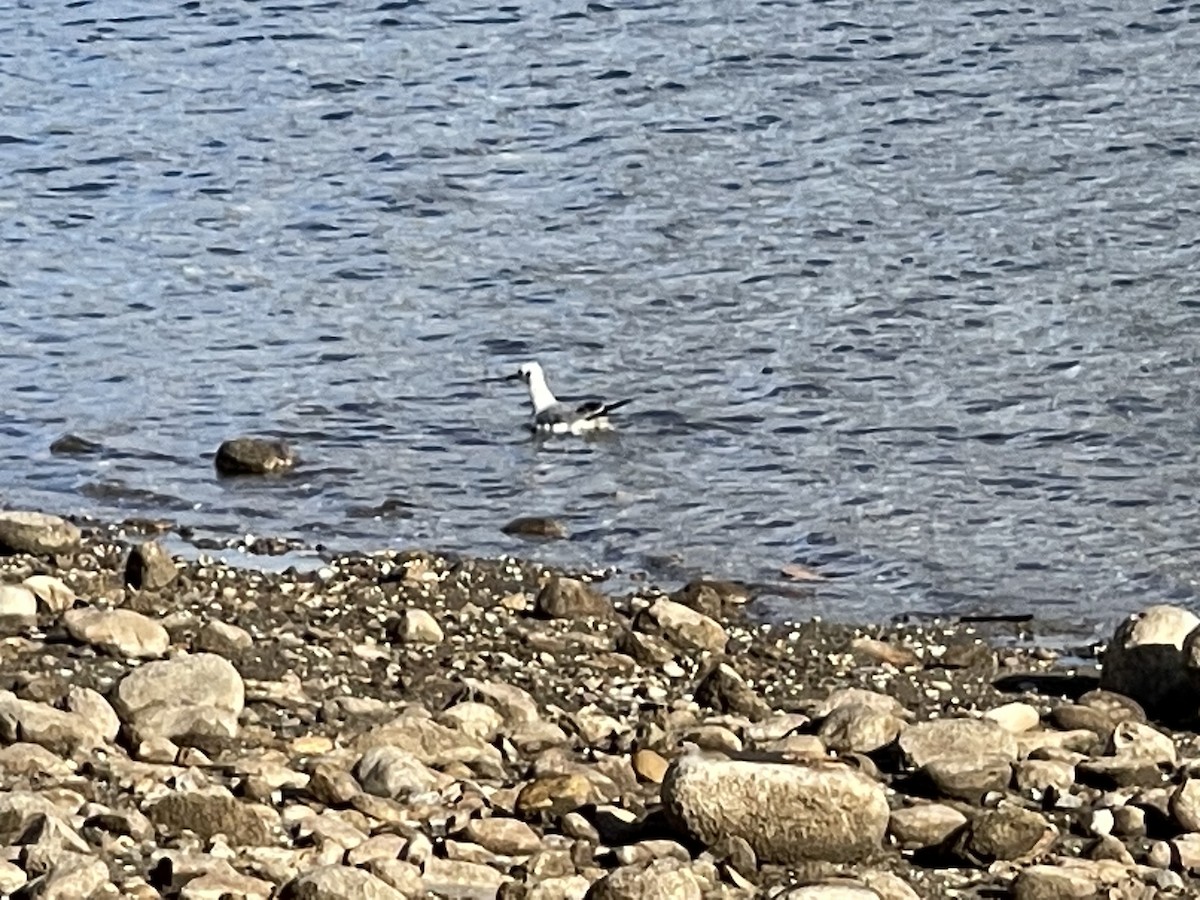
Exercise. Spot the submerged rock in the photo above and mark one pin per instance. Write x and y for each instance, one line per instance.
(254, 456)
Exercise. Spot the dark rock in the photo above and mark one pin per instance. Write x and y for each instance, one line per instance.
(207, 815)
(566, 598)
(536, 527)
(149, 567)
(964, 778)
(254, 456)
(74, 445)
(36, 533)
(725, 691)
(1145, 660)
(1005, 833)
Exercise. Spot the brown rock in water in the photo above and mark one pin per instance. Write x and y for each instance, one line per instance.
(254, 456)
(36, 533)
(536, 527)
(149, 567)
(567, 598)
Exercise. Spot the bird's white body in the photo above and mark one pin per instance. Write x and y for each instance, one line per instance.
(550, 416)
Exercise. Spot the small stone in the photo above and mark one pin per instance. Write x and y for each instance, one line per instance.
(338, 882)
(966, 778)
(507, 837)
(1045, 882)
(18, 609)
(1042, 774)
(1014, 717)
(1006, 833)
(859, 728)
(536, 527)
(53, 593)
(658, 880)
(567, 598)
(201, 693)
(649, 766)
(1185, 805)
(687, 628)
(888, 654)
(925, 825)
(253, 456)
(222, 639)
(554, 795)
(149, 567)
(724, 690)
(391, 772)
(12, 877)
(420, 627)
(36, 533)
(459, 878)
(120, 632)
(91, 706)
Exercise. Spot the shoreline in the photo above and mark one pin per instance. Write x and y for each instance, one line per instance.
(409, 722)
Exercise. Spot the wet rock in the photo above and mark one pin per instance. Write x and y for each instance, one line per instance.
(338, 883)
(925, 825)
(567, 598)
(1145, 660)
(207, 815)
(970, 738)
(786, 813)
(121, 632)
(687, 628)
(253, 456)
(537, 527)
(54, 595)
(18, 609)
(149, 567)
(36, 533)
(200, 693)
(658, 880)
(1006, 833)
(507, 837)
(725, 691)
(74, 445)
(859, 728)
(391, 772)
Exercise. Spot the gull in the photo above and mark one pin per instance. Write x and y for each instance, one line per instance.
(552, 417)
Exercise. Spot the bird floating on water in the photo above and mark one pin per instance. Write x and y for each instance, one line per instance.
(550, 416)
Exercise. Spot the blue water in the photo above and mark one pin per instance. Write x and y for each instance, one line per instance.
(907, 293)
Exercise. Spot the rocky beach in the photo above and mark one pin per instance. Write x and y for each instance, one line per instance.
(407, 724)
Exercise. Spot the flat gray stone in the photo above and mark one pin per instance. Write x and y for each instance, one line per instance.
(120, 632)
(36, 533)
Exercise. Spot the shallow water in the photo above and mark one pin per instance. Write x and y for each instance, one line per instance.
(906, 293)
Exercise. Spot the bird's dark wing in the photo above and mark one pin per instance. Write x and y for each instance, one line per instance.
(594, 409)
(555, 415)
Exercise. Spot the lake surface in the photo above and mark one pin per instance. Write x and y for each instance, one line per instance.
(906, 292)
